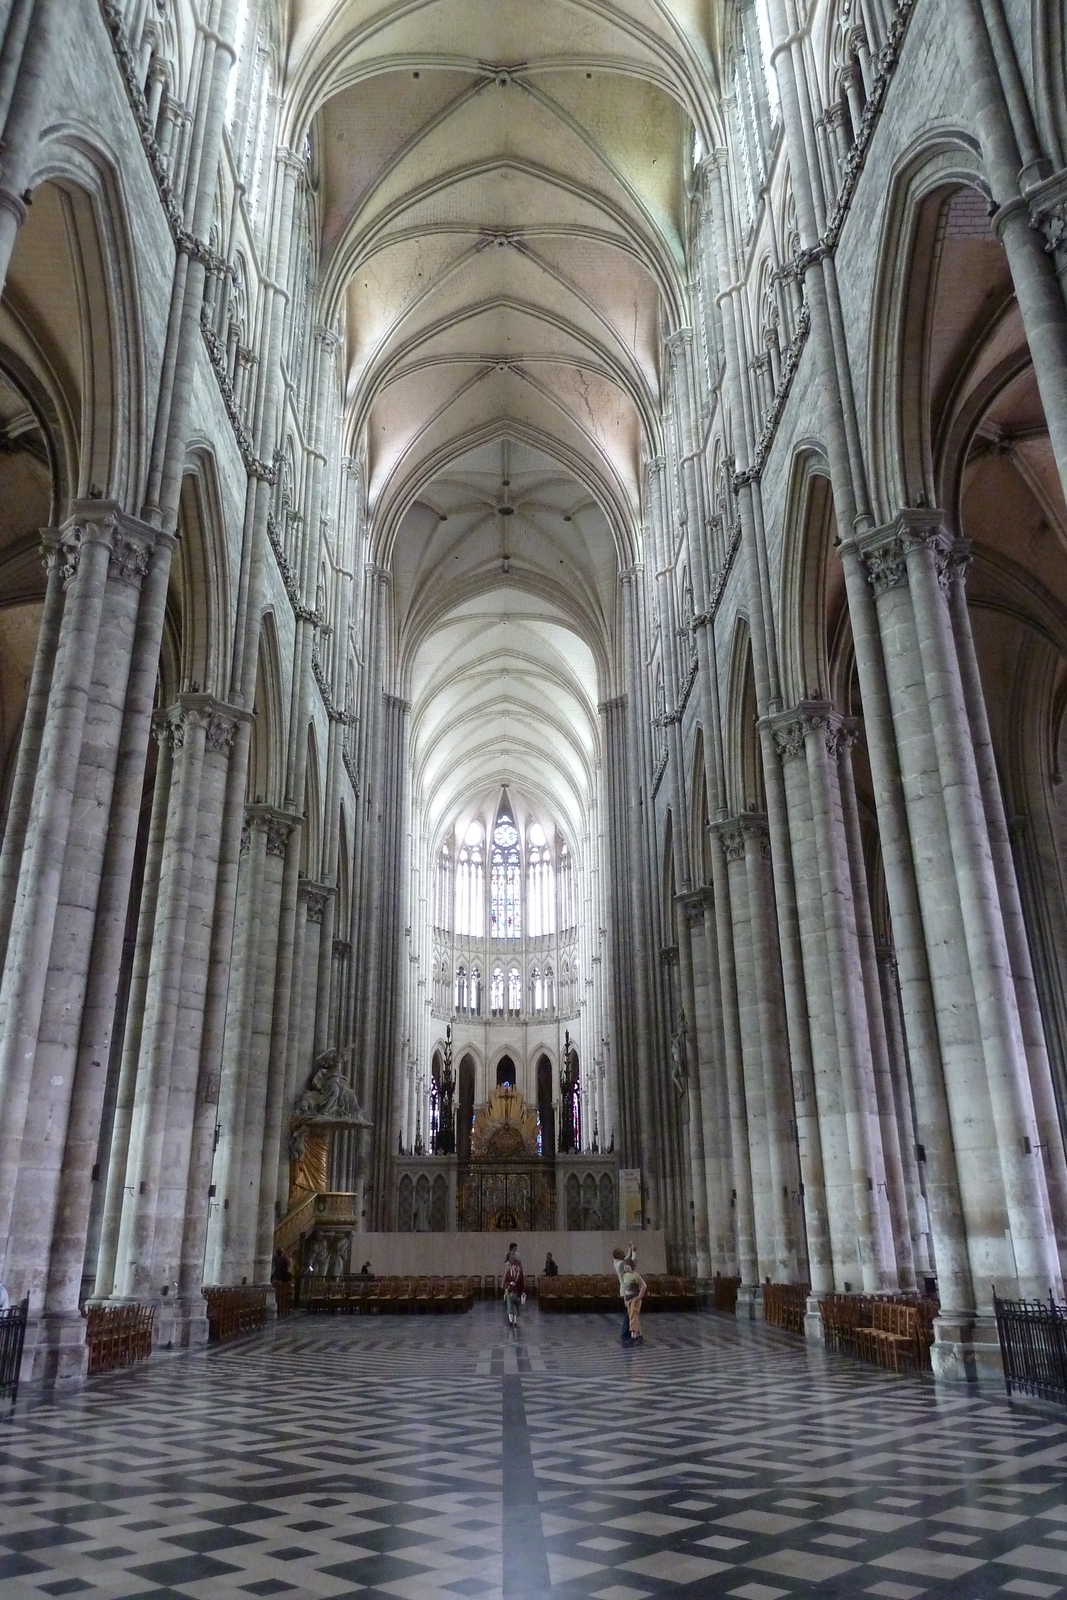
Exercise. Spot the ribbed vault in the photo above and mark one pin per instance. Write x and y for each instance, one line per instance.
(503, 192)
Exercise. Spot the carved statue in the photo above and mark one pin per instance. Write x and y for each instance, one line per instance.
(328, 1102)
(328, 1096)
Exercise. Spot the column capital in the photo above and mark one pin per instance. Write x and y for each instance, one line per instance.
(1048, 211)
(128, 540)
(276, 824)
(884, 551)
(316, 897)
(219, 720)
(812, 719)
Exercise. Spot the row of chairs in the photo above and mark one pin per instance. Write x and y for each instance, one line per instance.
(374, 1296)
(117, 1336)
(784, 1305)
(600, 1292)
(892, 1331)
(235, 1310)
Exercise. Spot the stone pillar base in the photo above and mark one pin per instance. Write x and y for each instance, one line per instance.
(813, 1329)
(750, 1303)
(966, 1349)
(271, 1304)
(180, 1323)
(59, 1352)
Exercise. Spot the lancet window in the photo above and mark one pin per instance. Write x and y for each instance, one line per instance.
(506, 881)
(568, 894)
(470, 884)
(540, 895)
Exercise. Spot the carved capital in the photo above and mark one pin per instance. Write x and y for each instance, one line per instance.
(1048, 212)
(754, 830)
(789, 735)
(884, 551)
(732, 838)
(131, 554)
(342, 949)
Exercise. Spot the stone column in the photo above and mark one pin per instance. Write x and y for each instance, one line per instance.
(184, 1171)
(86, 552)
(18, 811)
(918, 1219)
(926, 1038)
(947, 902)
(823, 729)
(257, 1084)
(118, 1149)
(732, 839)
(1032, 1236)
(62, 1088)
(821, 1126)
(639, 917)
(185, 728)
(784, 1179)
(884, 1087)
(1033, 1029)
(233, 1090)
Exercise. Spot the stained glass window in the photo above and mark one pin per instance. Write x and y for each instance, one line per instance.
(506, 881)
(470, 884)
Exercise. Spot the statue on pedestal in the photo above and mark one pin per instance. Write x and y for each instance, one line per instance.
(328, 1103)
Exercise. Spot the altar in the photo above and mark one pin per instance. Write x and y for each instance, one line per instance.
(502, 1180)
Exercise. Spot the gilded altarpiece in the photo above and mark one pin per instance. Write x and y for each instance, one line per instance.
(508, 1186)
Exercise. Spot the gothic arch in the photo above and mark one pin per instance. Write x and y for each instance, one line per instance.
(744, 769)
(267, 751)
(808, 569)
(72, 290)
(898, 443)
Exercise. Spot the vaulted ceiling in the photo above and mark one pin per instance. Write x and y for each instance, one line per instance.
(503, 186)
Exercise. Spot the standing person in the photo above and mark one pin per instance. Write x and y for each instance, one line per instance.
(514, 1285)
(551, 1269)
(633, 1288)
(620, 1262)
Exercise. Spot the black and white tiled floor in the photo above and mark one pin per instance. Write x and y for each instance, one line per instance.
(439, 1459)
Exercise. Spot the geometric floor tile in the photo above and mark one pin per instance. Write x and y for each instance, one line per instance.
(440, 1459)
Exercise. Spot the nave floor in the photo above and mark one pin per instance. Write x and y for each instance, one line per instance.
(435, 1459)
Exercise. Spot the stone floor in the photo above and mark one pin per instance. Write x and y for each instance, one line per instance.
(440, 1458)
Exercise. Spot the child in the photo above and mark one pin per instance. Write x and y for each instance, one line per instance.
(633, 1292)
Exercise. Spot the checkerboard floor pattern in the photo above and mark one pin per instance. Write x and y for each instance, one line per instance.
(338, 1457)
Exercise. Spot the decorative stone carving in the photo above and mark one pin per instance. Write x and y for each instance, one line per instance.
(328, 1103)
(1048, 213)
(278, 831)
(131, 554)
(886, 564)
(316, 904)
(732, 839)
(789, 738)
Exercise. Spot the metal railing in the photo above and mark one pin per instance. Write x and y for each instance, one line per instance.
(1033, 1346)
(12, 1338)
